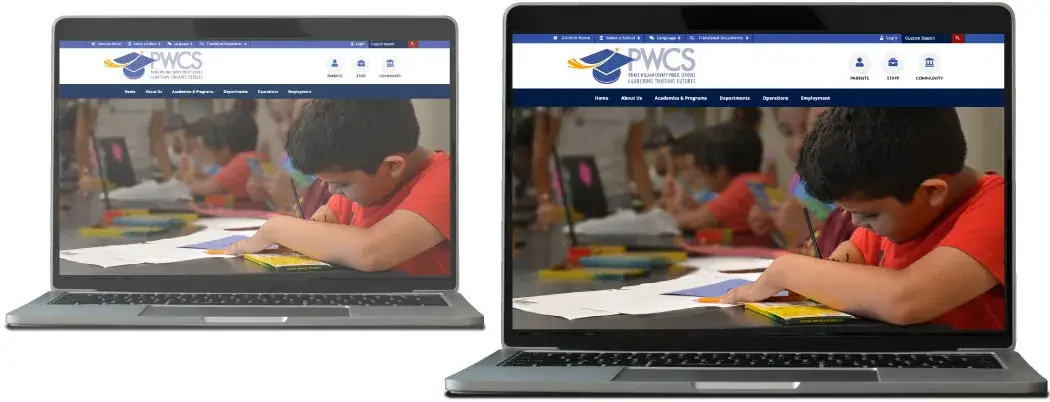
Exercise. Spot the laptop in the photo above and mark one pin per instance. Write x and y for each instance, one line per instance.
(148, 263)
(652, 335)
(586, 193)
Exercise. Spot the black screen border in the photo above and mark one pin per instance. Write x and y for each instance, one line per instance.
(257, 28)
(726, 18)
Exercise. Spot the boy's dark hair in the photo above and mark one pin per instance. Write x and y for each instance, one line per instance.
(351, 134)
(880, 152)
(201, 128)
(240, 132)
(685, 144)
(747, 115)
(234, 130)
(737, 148)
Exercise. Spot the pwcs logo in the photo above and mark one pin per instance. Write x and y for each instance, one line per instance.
(606, 65)
(133, 65)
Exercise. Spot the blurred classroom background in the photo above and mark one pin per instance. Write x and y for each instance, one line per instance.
(983, 128)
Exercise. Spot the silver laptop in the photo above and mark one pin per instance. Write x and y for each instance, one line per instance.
(598, 332)
(150, 253)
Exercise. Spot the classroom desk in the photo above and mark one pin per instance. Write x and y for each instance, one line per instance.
(545, 249)
(85, 212)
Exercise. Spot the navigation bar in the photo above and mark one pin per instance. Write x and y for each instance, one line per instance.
(264, 44)
(759, 38)
(359, 91)
(758, 97)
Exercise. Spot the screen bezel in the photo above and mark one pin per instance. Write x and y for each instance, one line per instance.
(667, 18)
(261, 28)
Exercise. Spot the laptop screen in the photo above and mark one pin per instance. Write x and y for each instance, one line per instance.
(225, 157)
(827, 182)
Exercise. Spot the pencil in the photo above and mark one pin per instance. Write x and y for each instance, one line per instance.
(812, 234)
(215, 252)
(295, 194)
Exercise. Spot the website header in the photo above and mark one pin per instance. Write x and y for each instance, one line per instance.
(757, 66)
(253, 66)
(954, 38)
(270, 44)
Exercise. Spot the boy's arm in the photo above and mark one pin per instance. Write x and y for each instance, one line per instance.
(544, 133)
(697, 219)
(639, 170)
(935, 284)
(395, 239)
(159, 145)
(203, 186)
(82, 133)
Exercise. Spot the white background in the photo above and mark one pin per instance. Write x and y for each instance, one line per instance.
(267, 66)
(110, 365)
(760, 65)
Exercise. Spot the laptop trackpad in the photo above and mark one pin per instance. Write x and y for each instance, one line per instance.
(748, 375)
(221, 313)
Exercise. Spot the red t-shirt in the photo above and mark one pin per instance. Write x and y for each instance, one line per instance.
(734, 202)
(429, 195)
(975, 225)
(233, 177)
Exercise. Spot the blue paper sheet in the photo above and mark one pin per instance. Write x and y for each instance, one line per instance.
(716, 290)
(218, 244)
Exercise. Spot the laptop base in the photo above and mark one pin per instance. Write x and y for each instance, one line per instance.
(40, 314)
(487, 378)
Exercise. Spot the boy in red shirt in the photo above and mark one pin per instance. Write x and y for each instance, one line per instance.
(930, 238)
(726, 158)
(392, 205)
(231, 144)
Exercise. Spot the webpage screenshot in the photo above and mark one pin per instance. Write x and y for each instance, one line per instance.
(724, 181)
(222, 157)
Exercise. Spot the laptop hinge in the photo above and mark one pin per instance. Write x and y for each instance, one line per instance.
(431, 291)
(977, 350)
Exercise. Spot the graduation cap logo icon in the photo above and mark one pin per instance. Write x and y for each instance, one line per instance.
(133, 65)
(605, 65)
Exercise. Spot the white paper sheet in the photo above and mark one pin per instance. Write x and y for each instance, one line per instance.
(156, 252)
(625, 222)
(150, 190)
(559, 310)
(101, 260)
(633, 302)
(716, 264)
(229, 223)
(609, 302)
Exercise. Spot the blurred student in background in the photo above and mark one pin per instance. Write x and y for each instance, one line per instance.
(614, 136)
(139, 122)
(788, 218)
(233, 145)
(726, 157)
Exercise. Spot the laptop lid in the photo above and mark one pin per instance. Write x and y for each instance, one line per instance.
(271, 90)
(900, 81)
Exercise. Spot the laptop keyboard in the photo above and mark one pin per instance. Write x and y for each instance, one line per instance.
(252, 299)
(752, 360)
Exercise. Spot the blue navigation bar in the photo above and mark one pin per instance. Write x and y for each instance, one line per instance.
(827, 38)
(758, 97)
(261, 44)
(234, 91)
(757, 38)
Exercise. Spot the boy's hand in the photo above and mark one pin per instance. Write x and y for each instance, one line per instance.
(545, 213)
(254, 244)
(753, 292)
(789, 219)
(279, 188)
(256, 190)
(759, 221)
(87, 183)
